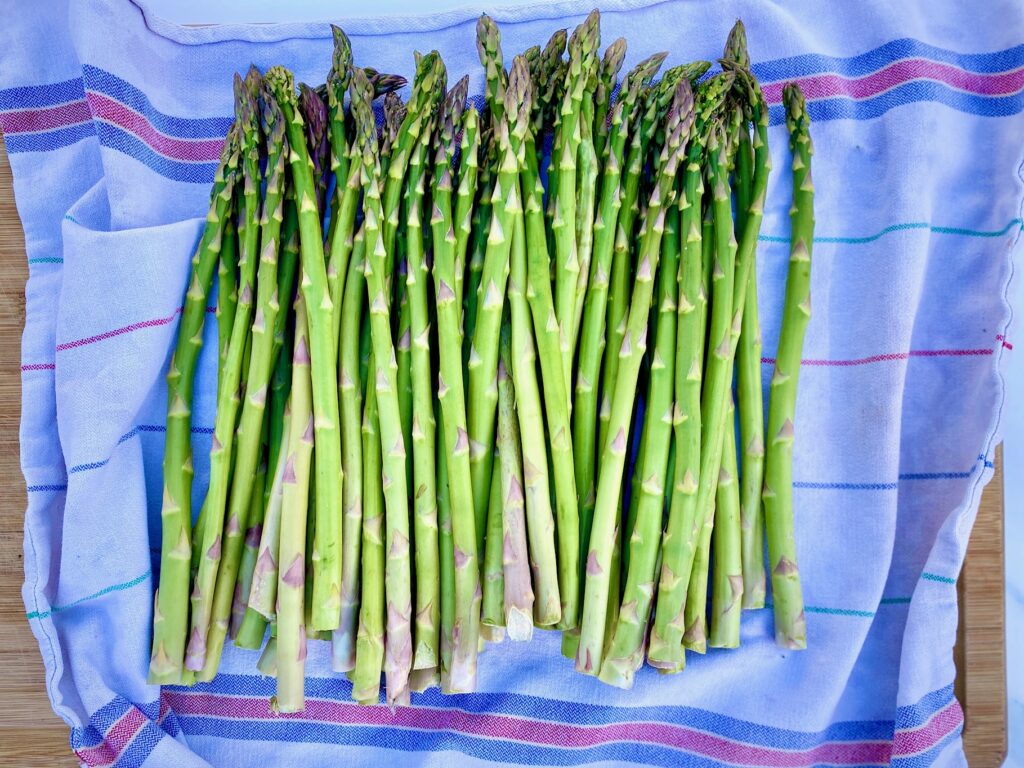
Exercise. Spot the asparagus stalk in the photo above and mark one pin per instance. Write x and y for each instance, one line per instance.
(493, 601)
(540, 524)
(483, 357)
(327, 546)
(488, 46)
(787, 595)
(248, 436)
(446, 557)
(549, 349)
(590, 655)
(614, 55)
(227, 289)
(291, 627)
(397, 575)
(347, 178)
(350, 404)
(170, 607)
(370, 637)
(263, 593)
(480, 231)
(243, 583)
(583, 46)
(314, 116)
(727, 581)
(466, 194)
(518, 592)
(626, 649)
(229, 395)
(424, 447)
(461, 670)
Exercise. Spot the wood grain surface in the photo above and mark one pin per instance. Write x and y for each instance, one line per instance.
(32, 736)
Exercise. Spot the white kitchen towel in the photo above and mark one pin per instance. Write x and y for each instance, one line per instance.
(113, 120)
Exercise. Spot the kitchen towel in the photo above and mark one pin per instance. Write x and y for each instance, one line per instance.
(113, 120)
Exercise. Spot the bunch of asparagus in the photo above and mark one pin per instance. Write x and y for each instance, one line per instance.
(435, 372)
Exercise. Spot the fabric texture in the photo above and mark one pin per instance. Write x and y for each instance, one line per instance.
(113, 122)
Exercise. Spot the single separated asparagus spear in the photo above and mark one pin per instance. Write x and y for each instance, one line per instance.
(424, 447)
(291, 627)
(518, 596)
(546, 329)
(229, 394)
(227, 288)
(248, 436)
(329, 478)
(350, 406)
(171, 603)
(614, 55)
(787, 595)
(446, 557)
(626, 651)
(590, 654)
(465, 627)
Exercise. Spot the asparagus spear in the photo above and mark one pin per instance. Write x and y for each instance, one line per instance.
(398, 646)
(493, 601)
(229, 395)
(370, 637)
(347, 178)
(787, 595)
(626, 650)
(590, 655)
(243, 583)
(227, 289)
(327, 546)
(461, 671)
(263, 593)
(480, 230)
(518, 592)
(170, 607)
(540, 525)
(446, 557)
(583, 46)
(614, 55)
(424, 447)
(248, 436)
(254, 624)
(291, 627)
(483, 357)
(727, 582)
(549, 349)
(350, 403)
(314, 116)
(466, 194)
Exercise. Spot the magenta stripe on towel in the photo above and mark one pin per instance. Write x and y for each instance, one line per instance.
(115, 740)
(889, 357)
(526, 730)
(45, 118)
(830, 85)
(928, 734)
(189, 150)
(156, 322)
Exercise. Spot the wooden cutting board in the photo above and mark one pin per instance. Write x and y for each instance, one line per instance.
(31, 736)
